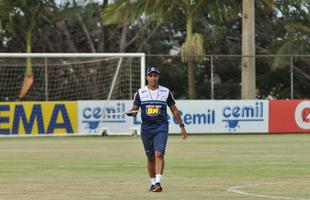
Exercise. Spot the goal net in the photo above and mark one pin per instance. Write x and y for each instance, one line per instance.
(71, 77)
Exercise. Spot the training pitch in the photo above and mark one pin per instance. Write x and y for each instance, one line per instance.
(202, 167)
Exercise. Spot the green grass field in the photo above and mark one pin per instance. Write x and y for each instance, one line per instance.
(202, 167)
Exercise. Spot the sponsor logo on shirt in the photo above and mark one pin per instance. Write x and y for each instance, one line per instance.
(152, 110)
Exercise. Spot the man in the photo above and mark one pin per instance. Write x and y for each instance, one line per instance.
(153, 100)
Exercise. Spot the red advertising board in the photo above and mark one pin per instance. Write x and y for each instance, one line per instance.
(289, 116)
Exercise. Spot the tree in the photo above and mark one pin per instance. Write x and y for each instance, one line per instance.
(192, 49)
(128, 11)
(23, 16)
(294, 39)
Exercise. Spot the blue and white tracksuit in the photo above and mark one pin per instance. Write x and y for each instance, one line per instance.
(154, 128)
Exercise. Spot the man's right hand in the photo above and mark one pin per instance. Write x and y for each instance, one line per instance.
(130, 114)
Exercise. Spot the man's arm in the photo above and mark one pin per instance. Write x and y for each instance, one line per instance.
(177, 115)
(134, 108)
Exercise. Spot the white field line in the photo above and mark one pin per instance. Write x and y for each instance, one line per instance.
(236, 189)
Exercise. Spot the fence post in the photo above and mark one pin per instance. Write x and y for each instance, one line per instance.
(292, 78)
(46, 79)
(212, 78)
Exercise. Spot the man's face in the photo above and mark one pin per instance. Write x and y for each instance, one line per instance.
(152, 79)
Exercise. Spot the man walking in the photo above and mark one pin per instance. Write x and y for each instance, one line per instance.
(154, 100)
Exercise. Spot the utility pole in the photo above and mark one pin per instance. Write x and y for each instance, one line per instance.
(248, 77)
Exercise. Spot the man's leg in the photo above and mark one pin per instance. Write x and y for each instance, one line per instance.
(160, 141)
(149, 151)
(151, 170)
(160, 162)
(151, 165)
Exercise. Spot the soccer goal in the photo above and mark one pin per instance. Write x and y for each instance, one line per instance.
(70, 77)
(34, 87)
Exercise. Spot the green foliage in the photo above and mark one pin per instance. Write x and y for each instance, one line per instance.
(283, 60)
(23, 16)
(293, 38)
(282, 27)
(127, 11)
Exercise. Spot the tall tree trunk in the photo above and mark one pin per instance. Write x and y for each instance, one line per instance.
(190, 64)
(148, 37)
(103, 42)
(28, 78)
(86, 32)
(28, 50)
(123, 40)
(50, 46)
(61, 25)
(248, 79)
(191, 80)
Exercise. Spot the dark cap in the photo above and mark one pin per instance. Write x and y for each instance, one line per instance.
(151, 70)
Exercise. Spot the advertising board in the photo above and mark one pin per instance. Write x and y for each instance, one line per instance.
(199, 116)
(33, 118)
(289, 116)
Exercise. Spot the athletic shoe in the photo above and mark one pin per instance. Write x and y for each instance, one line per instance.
(157, 188)
(152, 188)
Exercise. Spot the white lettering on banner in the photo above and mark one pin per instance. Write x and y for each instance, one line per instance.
(234, 115)
(302, 115)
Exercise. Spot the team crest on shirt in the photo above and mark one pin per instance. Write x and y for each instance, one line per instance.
(152, 110)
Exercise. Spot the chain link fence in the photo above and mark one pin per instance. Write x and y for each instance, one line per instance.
(215, 77)
(219, 76)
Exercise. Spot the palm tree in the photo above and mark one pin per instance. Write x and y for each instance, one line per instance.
(294, 21)
(296, 29)
(192, 49)
(124, 12)
(24, 16)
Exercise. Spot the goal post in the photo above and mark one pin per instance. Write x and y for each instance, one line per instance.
(62, 86)
(72, 76)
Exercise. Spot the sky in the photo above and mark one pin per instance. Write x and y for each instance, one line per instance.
(77, 1)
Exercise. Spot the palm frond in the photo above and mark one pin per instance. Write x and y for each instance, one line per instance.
(297, 27)
(291, 47)
(192, 49)
(123, 11)
(116, 13)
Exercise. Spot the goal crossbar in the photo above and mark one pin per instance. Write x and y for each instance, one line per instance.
(69, 55)
(81, 55)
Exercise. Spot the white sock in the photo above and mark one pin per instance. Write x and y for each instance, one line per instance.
(153, 181)
(158, 177)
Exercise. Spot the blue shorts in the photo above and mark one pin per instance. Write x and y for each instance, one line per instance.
(154, 139)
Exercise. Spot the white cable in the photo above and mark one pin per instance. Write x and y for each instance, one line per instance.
(122, 113)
